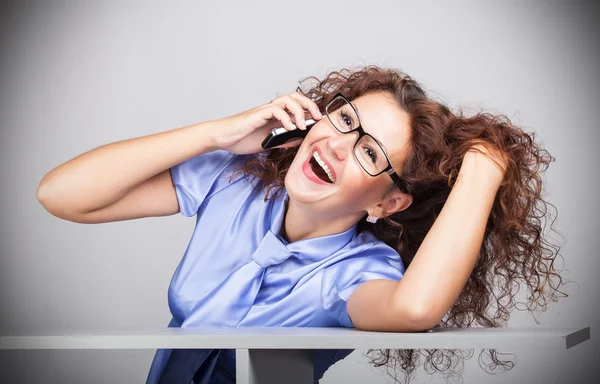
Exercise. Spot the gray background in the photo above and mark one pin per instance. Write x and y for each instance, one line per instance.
(75, 75)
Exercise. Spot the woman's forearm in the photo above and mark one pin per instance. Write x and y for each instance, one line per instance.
(446, 258)
(104, 175)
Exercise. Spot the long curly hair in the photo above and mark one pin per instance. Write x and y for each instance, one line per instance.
(513, 251)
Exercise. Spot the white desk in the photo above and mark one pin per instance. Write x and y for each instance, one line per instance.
(275, 355)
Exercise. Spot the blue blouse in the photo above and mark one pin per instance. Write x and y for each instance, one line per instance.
(238, 272)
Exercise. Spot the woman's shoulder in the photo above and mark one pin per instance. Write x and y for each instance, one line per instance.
(366, 244)
(366, 258)
(364, 253)
(203, 176)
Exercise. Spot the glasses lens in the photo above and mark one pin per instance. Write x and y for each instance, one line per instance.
(370, 155)
(342, 115)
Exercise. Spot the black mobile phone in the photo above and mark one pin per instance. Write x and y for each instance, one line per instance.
(279, 136)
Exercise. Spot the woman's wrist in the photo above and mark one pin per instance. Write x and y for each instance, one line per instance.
(479, 168)
(205, 135)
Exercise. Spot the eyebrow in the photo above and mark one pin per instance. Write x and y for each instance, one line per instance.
(378, 142)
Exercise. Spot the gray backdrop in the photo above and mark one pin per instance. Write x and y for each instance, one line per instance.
(75, 75)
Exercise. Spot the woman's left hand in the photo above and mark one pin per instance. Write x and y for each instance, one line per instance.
(494, 161)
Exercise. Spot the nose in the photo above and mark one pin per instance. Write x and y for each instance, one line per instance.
(342, 144)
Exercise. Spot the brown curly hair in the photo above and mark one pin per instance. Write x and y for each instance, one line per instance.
(513, 248)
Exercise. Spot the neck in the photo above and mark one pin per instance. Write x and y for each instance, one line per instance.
(300, 222)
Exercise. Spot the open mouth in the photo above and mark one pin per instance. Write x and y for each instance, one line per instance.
(320, 168)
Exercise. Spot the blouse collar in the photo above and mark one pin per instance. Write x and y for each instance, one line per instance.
(315, 248)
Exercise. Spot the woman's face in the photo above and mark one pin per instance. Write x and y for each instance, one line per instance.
(353, 191)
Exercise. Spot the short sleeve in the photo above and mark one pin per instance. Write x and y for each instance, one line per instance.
(195, 178)
(341, 279)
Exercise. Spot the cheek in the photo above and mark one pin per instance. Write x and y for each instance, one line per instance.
(360, 188)
(370, 190)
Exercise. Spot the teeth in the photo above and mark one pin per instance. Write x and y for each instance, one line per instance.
(323, 165)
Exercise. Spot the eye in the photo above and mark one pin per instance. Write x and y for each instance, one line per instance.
(371, 153)
(347, 119)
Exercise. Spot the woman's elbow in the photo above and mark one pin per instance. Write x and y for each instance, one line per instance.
(52, 203)
(412, 319)
(421, 318)
(44, 195)
(398, 319)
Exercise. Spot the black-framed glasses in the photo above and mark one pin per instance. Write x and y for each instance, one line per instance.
(367, 150)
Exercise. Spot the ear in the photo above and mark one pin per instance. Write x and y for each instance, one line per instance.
(394, 201)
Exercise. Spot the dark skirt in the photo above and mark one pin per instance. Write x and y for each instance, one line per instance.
(217, 366)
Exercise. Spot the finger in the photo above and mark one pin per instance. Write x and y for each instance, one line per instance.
(310, 108)
(296, 109)
(280, 114)
(308, 104)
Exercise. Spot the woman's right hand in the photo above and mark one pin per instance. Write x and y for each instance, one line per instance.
(243, 133)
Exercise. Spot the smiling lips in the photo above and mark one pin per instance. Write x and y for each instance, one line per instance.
(317, 170)
(323, 166)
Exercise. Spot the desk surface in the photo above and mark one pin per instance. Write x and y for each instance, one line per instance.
(298, 338)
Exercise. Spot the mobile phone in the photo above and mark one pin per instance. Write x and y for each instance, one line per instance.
(279, 136)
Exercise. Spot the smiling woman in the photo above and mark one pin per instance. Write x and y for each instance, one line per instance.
(429, 147)
(393, 213)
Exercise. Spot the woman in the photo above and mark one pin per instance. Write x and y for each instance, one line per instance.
(322, 232)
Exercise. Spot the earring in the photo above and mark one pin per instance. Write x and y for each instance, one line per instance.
(372, 219)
